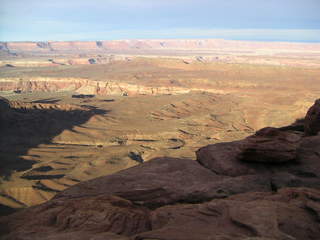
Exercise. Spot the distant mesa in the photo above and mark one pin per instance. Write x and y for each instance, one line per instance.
(99, 44)
(43, 44)
(152, 44)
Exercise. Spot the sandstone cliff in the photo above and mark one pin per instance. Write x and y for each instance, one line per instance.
(86, 86)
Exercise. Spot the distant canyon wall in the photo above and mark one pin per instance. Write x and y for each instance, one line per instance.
(85, 86)
(169, 44)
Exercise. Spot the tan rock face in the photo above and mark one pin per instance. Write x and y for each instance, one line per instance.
(23, 46)
(85, 86)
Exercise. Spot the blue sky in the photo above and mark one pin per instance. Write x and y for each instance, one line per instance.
(272, 20)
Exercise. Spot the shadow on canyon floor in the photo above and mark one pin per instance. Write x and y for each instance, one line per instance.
(48, 100)
(5, 210)
(25, 128)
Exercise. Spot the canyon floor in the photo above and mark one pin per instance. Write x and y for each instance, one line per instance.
(71, 121)
(263, 187)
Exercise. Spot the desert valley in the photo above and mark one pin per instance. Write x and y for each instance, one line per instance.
(145, 139)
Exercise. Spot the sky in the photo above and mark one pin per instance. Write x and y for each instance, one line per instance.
(84, 20)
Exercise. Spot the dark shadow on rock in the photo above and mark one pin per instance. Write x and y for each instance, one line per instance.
(9, 66)
(298, 125)
(136, 157)
(22, 128)
(5, 210)
(40, 177)
(108, 100)
(48, 100)
(83, 96)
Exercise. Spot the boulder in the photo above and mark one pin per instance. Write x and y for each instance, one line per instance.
(255, 154)
(293, 165)
(222, 159)
(270, 145)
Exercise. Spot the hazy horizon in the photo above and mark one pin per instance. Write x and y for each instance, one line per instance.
(288, 20)
(142, 39)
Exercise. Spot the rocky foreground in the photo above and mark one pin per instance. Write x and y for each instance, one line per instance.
(260, 188)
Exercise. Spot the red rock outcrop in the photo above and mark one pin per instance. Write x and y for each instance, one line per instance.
(291, 165)
(270, 145)
(264, 187)
(284, 215)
